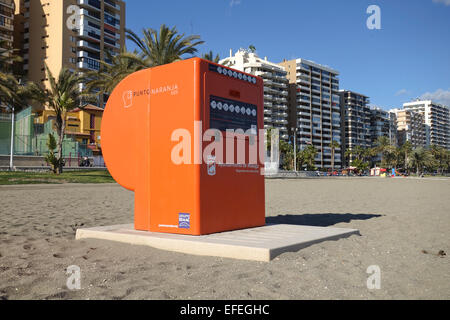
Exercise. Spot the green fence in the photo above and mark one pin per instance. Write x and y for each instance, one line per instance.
(36, 145)
(5, 134)
(30, 139)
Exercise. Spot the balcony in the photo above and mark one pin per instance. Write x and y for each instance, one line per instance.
(304, 126)
(112, 4)
(5, 25)
(88, 63)
(89, 33)
(112, 21)
(281, 85)
(86, 54)
(91, 4)
(304, 113)
(88, 45)
(110, 44)
(263, 74)
(304, 82)
(87, 13)
(7, 37)
(281, 78)
(273, 91)
(303, 99)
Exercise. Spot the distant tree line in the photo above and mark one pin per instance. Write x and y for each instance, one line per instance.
(405, 159)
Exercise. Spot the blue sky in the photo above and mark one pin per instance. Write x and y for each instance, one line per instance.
(408, 58)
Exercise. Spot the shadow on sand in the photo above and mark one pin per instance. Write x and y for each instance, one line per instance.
(320, 219)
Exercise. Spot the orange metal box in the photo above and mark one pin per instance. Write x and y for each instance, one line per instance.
(152, 113)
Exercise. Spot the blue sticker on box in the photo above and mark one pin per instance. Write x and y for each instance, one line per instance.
(184, 221)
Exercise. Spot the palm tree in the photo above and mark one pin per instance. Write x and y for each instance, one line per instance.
(163, 47)
(7, 56)
(10, 90)
(210, 57)
(333, 145)
(407, 149)
(309, 156)
(420, 158)
(360, 165)
(390, 157)
(62, 96)
(300, 160)
(360, 152)
(440, 156)
(287, 152)
(111, 74)
(348, 156)
(382, 145)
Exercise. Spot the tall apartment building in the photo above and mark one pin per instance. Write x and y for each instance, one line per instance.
(6, 23)
(314, 107)
(50, 33)
(275, 87)
(6, 34)
(355, 120)
(436, 119)
(410, 127)
(383, 124)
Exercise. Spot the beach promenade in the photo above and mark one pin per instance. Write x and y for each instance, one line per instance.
(404, 225)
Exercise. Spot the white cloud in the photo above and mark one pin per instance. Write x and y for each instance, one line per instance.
(238, 2)
(445, 2)
(402, 92)
(440, 96)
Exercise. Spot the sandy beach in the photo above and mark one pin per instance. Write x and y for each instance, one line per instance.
(404, 224)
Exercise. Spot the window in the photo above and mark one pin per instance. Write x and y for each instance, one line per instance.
(92, 121)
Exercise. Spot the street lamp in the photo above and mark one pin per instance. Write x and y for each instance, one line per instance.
(11, 156)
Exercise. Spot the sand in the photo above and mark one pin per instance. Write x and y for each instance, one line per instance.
(399, 220)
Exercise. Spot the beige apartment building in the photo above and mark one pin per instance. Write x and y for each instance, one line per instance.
(6, 23)
(67, 33)
(314, 109)
(410, 127)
